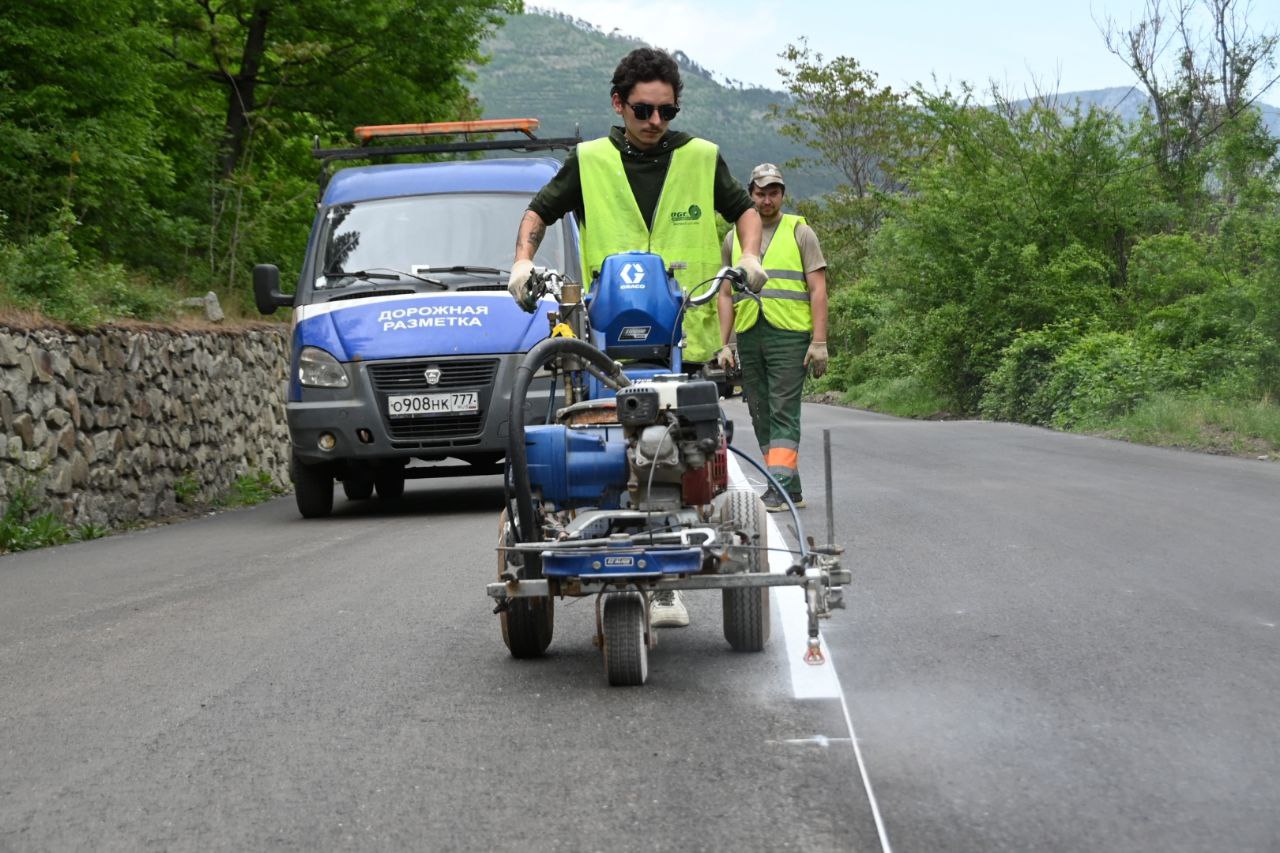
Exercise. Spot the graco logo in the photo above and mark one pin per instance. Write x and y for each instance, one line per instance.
(693, 214)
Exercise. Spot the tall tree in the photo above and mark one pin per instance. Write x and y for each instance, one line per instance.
(1197, 81)
(852, 123)
(839, 109)
(79, 120)
(328, 63)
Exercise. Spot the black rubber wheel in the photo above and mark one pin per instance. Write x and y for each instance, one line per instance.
(746, 610)
(357, 488)
(312, 488)
(527, 623)
(389, 482)
(626, 654)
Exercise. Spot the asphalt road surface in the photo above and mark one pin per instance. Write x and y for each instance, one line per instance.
(1052, 642)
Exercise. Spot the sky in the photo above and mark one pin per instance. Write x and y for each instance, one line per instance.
(1022, 45)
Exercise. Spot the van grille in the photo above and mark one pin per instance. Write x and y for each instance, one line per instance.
(409, 377)
(436, 428)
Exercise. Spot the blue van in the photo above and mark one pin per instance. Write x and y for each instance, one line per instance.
(405, 340)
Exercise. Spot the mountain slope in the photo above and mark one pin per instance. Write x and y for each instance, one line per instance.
(551, 67)
(1127, 103)
(548, 68)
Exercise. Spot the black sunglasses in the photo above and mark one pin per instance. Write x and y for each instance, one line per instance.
(666, 112)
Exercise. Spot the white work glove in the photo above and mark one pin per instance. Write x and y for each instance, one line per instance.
(724, 358)
(518, 285)
(756, 276)
(816, 358)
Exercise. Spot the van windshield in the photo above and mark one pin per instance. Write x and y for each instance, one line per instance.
(464, 240)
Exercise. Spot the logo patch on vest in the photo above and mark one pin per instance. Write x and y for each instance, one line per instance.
(693, 214)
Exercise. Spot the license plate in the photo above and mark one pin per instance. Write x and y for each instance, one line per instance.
(416, 405)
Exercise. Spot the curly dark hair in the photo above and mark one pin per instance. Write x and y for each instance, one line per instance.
(644, 65)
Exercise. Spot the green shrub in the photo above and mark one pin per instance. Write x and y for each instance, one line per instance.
(41, 274)
(48, 274)
(1018, 389)
(23, 527)
(88, 530)
(1201, 422)
(904, 396)
(250, 489)
(1164, 268)
(186, 488)
(1100, 377)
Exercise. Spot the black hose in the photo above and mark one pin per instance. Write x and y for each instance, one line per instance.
(517, 454)
(795, 514)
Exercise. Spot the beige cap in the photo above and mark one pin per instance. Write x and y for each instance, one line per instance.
(765, 174)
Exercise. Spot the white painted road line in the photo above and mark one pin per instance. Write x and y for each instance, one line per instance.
(790, 614)
(807, 682)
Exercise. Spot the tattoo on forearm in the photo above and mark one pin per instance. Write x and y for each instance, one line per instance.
(532, 230)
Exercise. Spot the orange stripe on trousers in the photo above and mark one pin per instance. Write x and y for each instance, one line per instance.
(782, 457)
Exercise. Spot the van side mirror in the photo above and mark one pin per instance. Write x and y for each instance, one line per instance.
(266, 289)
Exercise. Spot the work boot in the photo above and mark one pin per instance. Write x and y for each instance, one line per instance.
(667, 610)
(773, 500)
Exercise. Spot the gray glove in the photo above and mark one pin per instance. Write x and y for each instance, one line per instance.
(724, 358)
(756, 276)
(518, 285)
(816, 358)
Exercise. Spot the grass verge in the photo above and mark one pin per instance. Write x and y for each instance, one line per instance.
(905, 397)
(1201, 423)
(25, 525)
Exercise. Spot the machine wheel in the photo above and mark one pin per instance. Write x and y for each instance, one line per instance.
(312, 488)
(746, 610)
(357, 488)
(389, 482)
(527, 623)
(626, 654)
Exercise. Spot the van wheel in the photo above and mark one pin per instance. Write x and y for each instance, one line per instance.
(389, 483)
(357, 488)
(312, 488)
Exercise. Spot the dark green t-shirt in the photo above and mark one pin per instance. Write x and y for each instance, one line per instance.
(646, 171)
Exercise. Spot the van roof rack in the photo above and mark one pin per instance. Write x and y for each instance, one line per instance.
(369, 137)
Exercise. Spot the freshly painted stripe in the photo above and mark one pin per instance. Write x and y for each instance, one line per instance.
(809, 682)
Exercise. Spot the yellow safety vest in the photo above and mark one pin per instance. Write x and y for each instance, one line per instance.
(785, 297)
(684, 225)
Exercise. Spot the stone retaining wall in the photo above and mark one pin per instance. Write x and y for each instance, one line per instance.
(104, 425)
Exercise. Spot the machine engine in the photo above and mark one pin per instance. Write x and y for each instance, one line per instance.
(676, 452)
(667, 451)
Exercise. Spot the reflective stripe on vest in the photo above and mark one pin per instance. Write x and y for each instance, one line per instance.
(684, 224)
(785, 297)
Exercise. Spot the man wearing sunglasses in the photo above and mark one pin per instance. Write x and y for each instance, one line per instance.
(647, 188)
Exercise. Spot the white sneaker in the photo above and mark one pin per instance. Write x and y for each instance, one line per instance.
(667, 610)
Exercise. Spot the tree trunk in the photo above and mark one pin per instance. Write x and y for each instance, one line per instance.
(241, 97)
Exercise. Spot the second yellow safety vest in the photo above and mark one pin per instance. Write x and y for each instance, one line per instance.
(785, 297)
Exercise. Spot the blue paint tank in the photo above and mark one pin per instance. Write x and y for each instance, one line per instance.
(579, 466)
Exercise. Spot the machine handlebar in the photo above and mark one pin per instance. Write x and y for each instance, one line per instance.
(737, 278)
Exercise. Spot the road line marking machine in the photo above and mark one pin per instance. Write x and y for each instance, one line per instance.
(624, 493)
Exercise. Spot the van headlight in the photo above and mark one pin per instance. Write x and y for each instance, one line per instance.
(318, 369)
